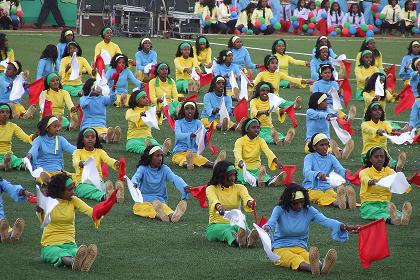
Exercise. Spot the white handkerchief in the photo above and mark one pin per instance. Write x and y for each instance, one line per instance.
(147, 68)
(342, 134)
(47, 204)
(337, 61)
(232, 80)
(379, 87)
(335, 179)
(75, 68)
(106, 57)
(236, 218)
(17, 89)
(223, 112)
(42, 99)
(400, 139)
(244, 87)
(150, 119)
(200, 137)
(210, 70)
(274, 100)
(266, 242)
(248, 177)
(102, 83)
(396, 183)
(194, 75)
(336, 99)
(90, 174)
(4, 63)
(35, 173)
(135, 192)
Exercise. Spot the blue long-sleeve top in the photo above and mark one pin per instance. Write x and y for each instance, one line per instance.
(224, 70)
(404, 73)
(183, 130)
(142, 59)
(415, 115)
(314, 164)
(60, 49)
(47, 154)
(14, 191)
(152, 182)
(316, 122)
(94, 109)
(324, 87)
(330, 52)
(46, 66)
(212, 101)
(122, 84)
(242, 58)
(5, 90)
(242, 4)
(291, 228)
(414, 82)
(315, 63)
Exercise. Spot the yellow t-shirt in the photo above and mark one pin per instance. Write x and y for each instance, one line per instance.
(110, 47)
(259, 13)
(65, 76)
(7, 132)
(369, 96)
(136, 127)
(59, 99)
(182, 63)
(204, 56)
(61, 229)
(285, 60)
(213, 16)
(98, 155)
(158, 92)
(198, 8)
(374, 192)
(243, 19)
(10, 56)
(371, 139)
(230, 198)
(378, 60)
(249, 152)
(274, 79)
(362, 74)
(256, 105)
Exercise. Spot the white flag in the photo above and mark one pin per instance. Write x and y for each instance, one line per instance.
(396, 183)
(106, 57)
(150, 119)
(42, 99)
(47, 204)
(147, 68)
(342, 134)
(90, 174)
(232, 81)
(194, 75)
(135, 192)
(335, 179)
(35, 173)
(336, 99)
(236, 218)
(248, 177)
(4, 63)
(337, 61)
(75, 68)
(200, 137)
(274, 100)
(379, 87)
(17, 89)
(223, 112)
(404, 138)
(210, 70)
(102, 83)
(244, 87)
(266, 242)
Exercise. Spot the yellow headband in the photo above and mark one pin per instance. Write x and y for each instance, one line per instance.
(323, 47)
(322, 98)
(144, 40)
(189, 103)
(298, 195)
(319, 137)
(154, 149)
(234, 38)
(68, 32)
(51, 120)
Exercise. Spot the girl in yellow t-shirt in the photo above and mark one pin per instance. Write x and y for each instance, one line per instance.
(5, 51)
(370, 96)
(364, 69)
(202, 53)
(184, 65)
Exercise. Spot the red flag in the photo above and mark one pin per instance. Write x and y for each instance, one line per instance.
(391, 77)
(263, 221)
(354, 179)
(79, 108)
(346, 88)
(152, 71)
(116, 75)
(290, 111)
(406, 100)
(416, 139)
(205, 79)
(104, 170)
(100, 64)
(209, 134)
(290, 170)
(346, 125)
(200, 194)
(34, 90)
(415, 179)
(347, 66)
(121, 175)
(373, 243)
(241, 110)
(261, 68)
(47, 108)
(102, 208)
(168, 117)
(33, 199)
(192, 97)
(147, 90)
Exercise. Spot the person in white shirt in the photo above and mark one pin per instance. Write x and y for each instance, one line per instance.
(392, 13)
(225, 17)
(335, 16)
(355, 18)
(322, 16)
(285, 16)
(301, 12)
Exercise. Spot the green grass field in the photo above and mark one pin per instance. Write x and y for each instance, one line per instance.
(132, 247)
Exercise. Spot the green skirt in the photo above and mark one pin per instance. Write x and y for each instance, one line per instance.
(65, 122)
(73, 90)
(375, 210)
(284, 84)
(265, 133)
(240, 176)
(182, 86)
(286, 104)
(359, 94)
(137, 145)
(222, 232)
(89, 191)
(54, 253)
(15, 162)
(173, 106)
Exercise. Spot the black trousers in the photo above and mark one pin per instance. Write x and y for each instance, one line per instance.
(47, 7)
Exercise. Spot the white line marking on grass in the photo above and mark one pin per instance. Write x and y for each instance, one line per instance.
(267, 50)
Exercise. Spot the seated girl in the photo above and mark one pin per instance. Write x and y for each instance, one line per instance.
(151, 178)
(48, 62)
(262, 11)
(6, 80)
(241, 56)
(316, 168)
(355, 18)
(323, 41)
(408, 59)
(376, 200)
(365, 68)
(322, 56)
(224, 67)
(145, 56)
(184, 65)
(414, 122)
(223, 194)
(370, 44)
(247, 150)
(369, 94)
(301, 13)
(202, 53)
(244, 22)
(335, 16)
